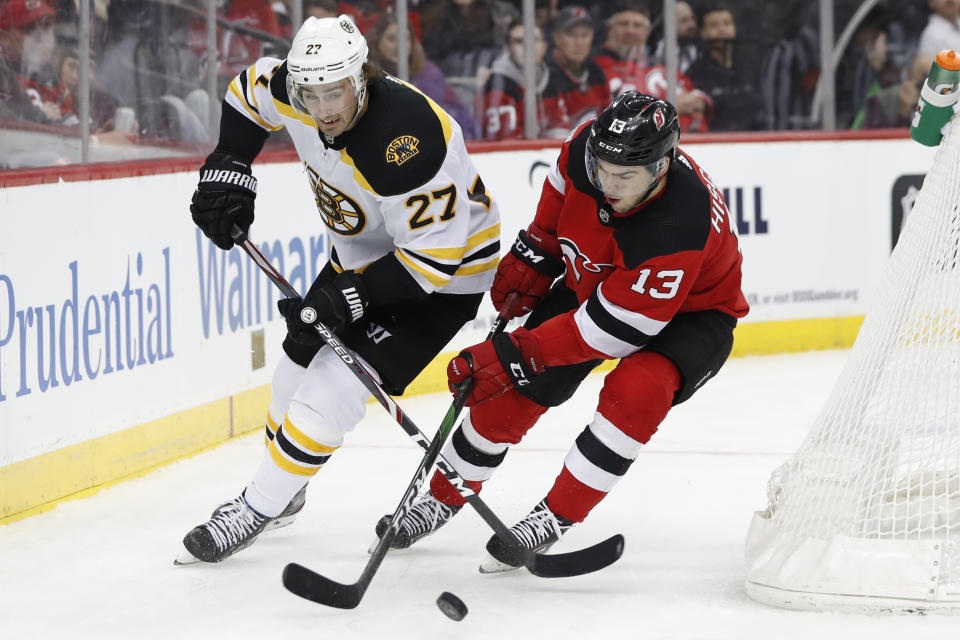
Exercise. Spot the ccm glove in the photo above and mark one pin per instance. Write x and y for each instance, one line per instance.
(532, 265)
(224, 198)
(336, 304)
(505, 361)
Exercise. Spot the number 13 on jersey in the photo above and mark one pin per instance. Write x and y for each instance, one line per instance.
(666, 283)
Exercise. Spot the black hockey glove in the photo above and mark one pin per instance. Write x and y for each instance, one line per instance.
(336, 304)
(224, 198)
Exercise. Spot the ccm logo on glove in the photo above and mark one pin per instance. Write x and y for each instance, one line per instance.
(506, 360)
(527, 254)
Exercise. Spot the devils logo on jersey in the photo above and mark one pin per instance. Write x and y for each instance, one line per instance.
(340, 212)
(577, 262)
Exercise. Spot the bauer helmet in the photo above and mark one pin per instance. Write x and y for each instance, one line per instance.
(635, 131)
(324, 51)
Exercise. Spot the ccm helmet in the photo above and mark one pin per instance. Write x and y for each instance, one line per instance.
(636, 130)
(326, 50)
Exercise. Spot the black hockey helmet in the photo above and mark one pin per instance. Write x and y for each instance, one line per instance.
(636, 129)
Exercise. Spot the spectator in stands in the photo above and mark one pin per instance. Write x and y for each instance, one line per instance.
(424, 75)
(103, 108)
(460, 37)
(893, 106)
(545, 12)
(15, 104)
(239, 51)
(152, 63)
(281, 8)
(501, 110)
(791, 65)
(729, 79)
(27, 45)
(687, 39)
(872, 72)
(577, 87)
(320, 9)
(623, 57)
(943, 29)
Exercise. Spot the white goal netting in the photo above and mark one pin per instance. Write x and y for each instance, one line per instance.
(866, 514)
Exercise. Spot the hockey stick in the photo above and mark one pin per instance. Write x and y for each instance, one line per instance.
(313, 586)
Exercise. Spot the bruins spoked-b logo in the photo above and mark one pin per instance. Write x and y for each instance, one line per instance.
(402, 149)
(340, 212)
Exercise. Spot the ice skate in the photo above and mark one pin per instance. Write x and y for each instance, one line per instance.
(425, 516)
(286, 517)
(538, 531)
(233, 527)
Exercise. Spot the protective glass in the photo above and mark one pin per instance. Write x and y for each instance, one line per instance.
(623, 182)
(323, 101)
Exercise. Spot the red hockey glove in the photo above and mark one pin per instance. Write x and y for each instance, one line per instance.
(507, 360)
(532, 265)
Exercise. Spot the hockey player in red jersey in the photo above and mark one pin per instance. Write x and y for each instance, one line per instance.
(651, 275)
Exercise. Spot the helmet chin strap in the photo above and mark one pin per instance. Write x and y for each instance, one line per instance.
(361, 103)
(651, 189)
(661, 175)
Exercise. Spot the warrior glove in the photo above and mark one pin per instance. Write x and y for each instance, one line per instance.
(224, 198)
(336, 304)
(505, 361)
(532, 265)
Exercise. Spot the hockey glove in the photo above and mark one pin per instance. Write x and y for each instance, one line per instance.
(507, 360)
(532, 265)
(224, 198)
(336, 304)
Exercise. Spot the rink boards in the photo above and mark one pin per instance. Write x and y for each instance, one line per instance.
(127, 340)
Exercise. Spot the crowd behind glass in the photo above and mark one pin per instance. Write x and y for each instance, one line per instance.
(744, 65)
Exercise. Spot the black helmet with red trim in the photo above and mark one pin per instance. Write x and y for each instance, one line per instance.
(636, 129)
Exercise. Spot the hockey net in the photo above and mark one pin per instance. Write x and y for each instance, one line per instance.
(866, 514)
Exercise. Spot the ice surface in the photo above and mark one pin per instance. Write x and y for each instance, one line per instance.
(101, 567)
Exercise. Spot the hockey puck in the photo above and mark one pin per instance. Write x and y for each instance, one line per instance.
(452, 606)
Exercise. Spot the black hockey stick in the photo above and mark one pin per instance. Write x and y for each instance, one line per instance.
(315, 587)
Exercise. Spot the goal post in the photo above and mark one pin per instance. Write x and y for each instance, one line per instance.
(865, 516)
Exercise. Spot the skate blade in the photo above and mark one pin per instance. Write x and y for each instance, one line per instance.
(279, 523)
(184, 559)
(491, 565)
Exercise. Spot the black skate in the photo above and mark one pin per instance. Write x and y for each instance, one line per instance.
(539, 531)
(233, 527)
(286, 517)
(425, 516)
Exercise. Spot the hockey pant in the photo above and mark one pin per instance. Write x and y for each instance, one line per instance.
(316, 399)
(635, 398)
(310, 411)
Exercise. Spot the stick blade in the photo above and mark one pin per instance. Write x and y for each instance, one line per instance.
(576, 563)
(317, 588)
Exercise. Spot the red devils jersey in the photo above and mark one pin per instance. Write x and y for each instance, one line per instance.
(501, 105)
(623, 74)
(633, 272)
(569, 101)
(628, 75)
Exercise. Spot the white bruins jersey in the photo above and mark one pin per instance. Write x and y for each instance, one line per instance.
(399, 181)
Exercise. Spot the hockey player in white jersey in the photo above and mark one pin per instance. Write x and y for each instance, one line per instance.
(415, 244)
